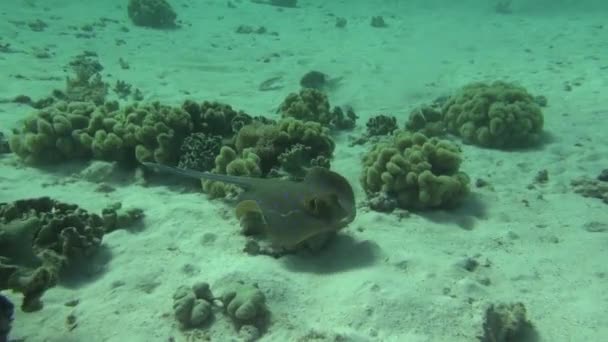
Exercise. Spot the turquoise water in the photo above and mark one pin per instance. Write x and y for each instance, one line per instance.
(388, 170)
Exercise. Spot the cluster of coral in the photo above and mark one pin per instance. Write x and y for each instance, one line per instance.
(207, 136)
(243, 304)
(41, 237)
(264, 149)
(83, 130)
(313, 105)
(498, 115)
(416, 170)
(411, 171)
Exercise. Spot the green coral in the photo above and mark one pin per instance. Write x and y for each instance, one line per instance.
(192, 306)
(116, 217)
(507, 322)
(245, 304)
(138, 133)
(419, 172)
(48, 135)
(229, 163)
(159, 131)
(216, 118)
(271, 142)
(497, 115)
(313, 105)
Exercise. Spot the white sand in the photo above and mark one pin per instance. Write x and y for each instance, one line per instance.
(387, 279)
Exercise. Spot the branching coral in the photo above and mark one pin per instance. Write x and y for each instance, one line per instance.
(381, 125)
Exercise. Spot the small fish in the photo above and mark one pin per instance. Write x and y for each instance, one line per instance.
(292, 211)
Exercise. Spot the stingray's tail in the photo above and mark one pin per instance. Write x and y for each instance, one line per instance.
(243, 182)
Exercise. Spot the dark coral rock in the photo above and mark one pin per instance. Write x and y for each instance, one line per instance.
(507, 323)
(381, 125)
(284, 3)
(603, 176)
(152, 13)
(343, 118)
(542, 176)
(198, 151)
(7, 310)
(314, 79)
(122, 89)
(4, 147)
(38, 238)
(378, 22)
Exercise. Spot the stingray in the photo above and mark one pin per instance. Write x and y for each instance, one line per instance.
(291, 212)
